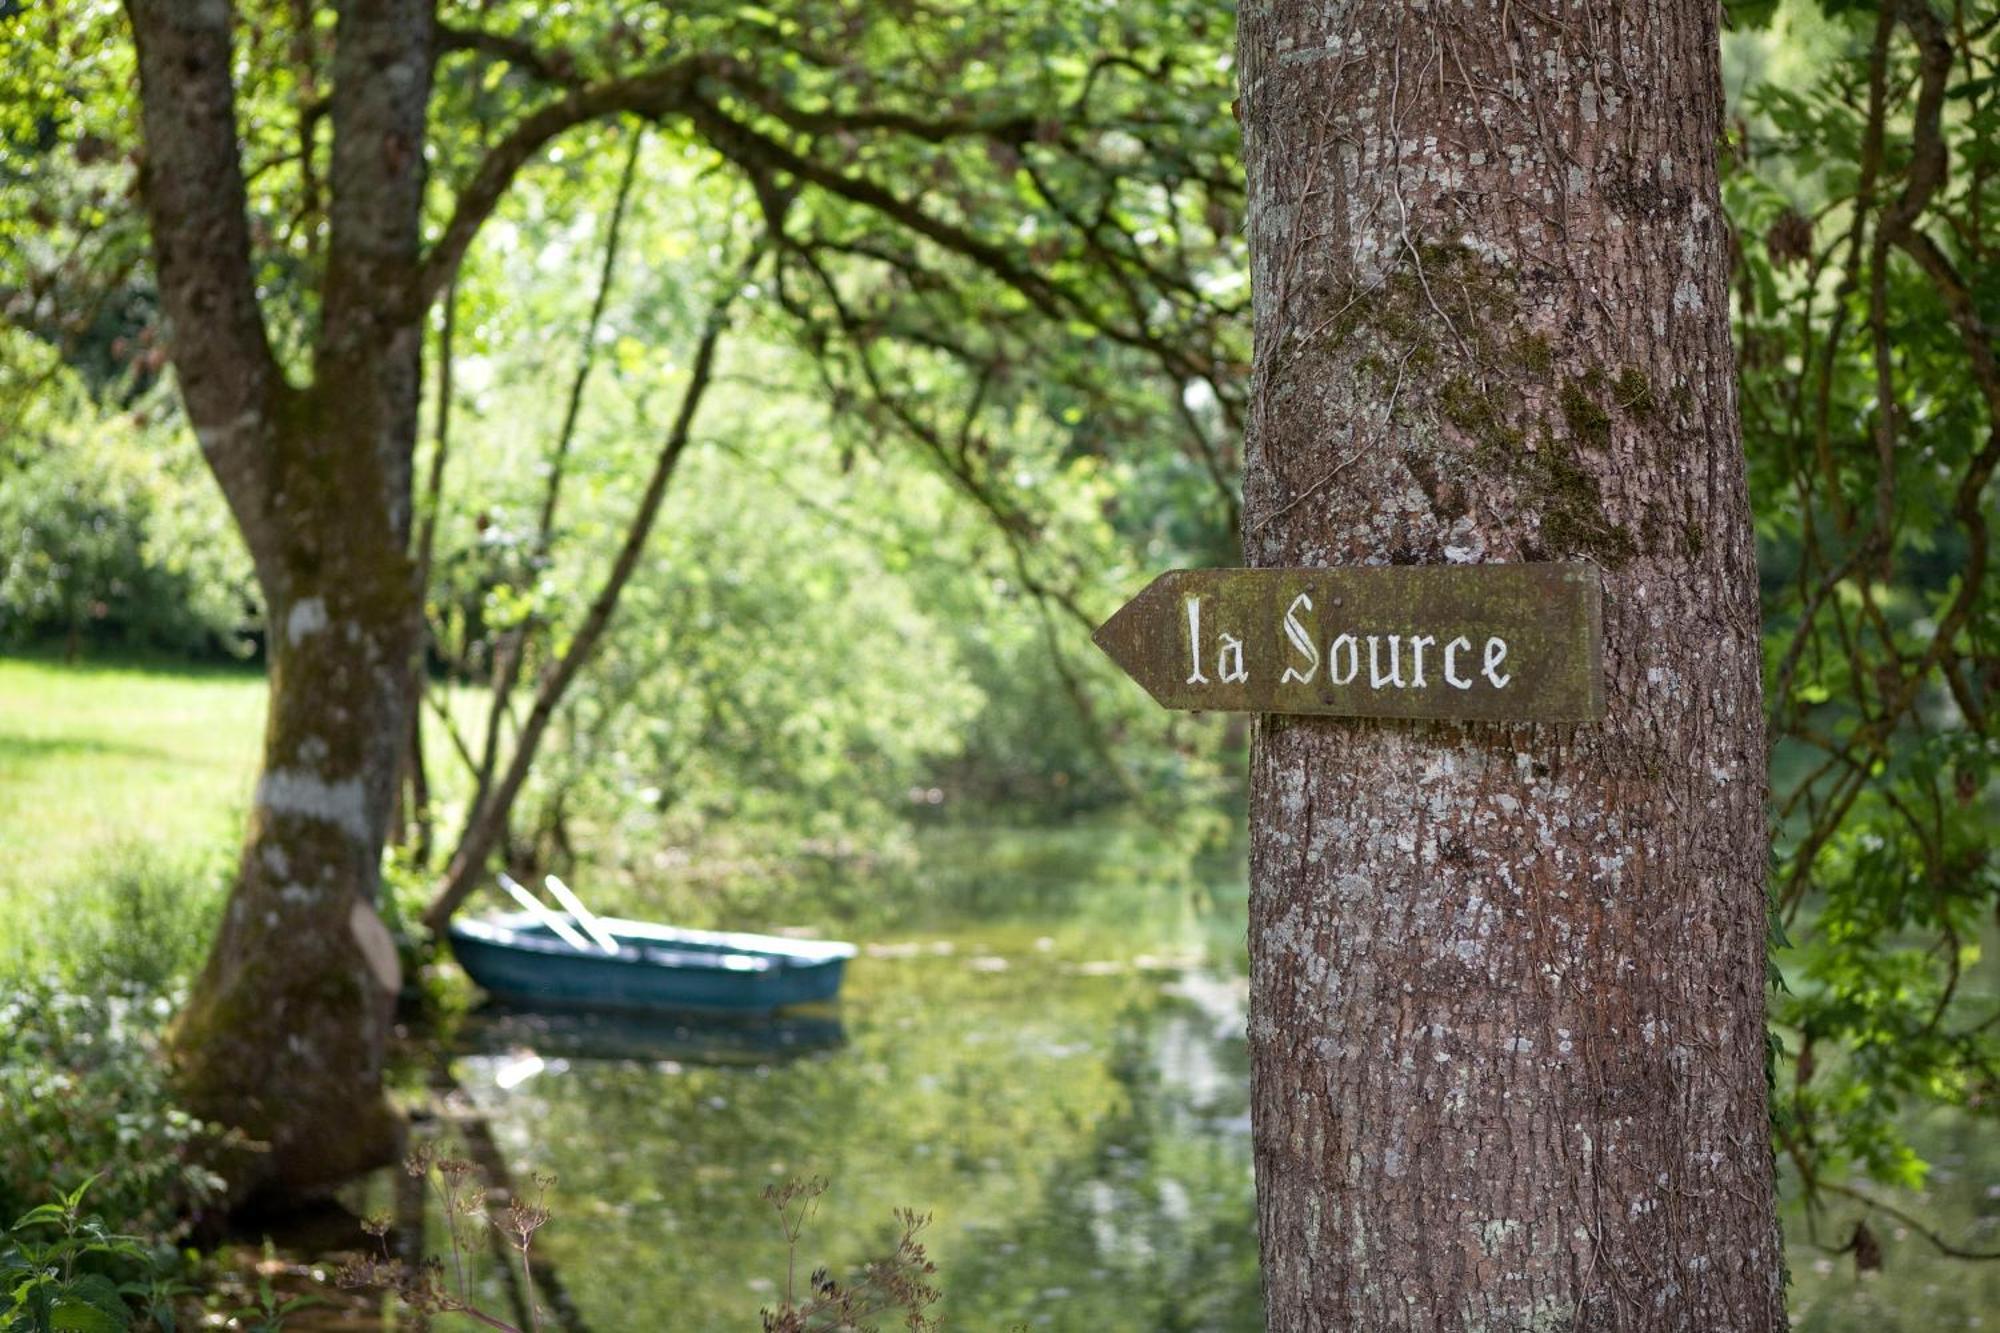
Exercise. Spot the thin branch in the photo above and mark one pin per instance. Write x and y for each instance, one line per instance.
(469, 860)
(1870, 1201)
(558, 68)
(654, 94)
(512, 650)
(587, 361)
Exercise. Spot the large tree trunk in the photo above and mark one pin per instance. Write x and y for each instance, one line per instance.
(1507, 981)
(285, 1032)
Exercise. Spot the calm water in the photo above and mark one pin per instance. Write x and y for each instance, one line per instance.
(1071, 1107)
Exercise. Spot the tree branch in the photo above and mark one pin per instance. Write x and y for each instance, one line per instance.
(512, 649)
(558, 69)
(192, 183)
(1010, 130)
(654, 95)
(381, 89)
(1870, 1201)
(757, 152)
(587, 357)
(468, 862)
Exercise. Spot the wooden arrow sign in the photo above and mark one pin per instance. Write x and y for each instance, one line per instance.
(1493, 643)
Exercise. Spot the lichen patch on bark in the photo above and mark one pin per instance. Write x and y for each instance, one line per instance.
(341, 803)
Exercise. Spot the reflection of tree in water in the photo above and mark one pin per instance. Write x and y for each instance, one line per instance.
(1081, 1137)
(1026, 1105)
(1151, 1222)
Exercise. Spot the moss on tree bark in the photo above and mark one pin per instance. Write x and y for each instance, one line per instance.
(1507, 981)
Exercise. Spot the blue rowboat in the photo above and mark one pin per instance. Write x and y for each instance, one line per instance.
(520, 958)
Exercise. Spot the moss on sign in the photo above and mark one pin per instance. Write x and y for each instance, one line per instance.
(1479, 642)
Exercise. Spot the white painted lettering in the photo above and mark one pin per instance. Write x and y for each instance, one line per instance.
(1232, 650)
(1376, 679)
(1333, 671)
(1496, 653)
(1301, 641)
(1451, 651)
(1417, 644)
(1194, 640)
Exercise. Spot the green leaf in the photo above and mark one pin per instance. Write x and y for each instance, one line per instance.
(74, 1316)
(41, 1215)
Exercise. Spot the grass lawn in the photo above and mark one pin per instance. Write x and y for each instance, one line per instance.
(110, 757)
(96, 755)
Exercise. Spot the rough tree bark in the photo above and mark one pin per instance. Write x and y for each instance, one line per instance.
(284, 1033)
(1507, 982)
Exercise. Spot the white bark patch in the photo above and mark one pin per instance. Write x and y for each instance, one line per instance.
(307, 617)
(213, 438)
(342, 804)
(376, 945)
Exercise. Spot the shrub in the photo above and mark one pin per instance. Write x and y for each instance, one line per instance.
(84, 1094)
(136, 919)
(96, 967)
(109, 532)
(63, 1269)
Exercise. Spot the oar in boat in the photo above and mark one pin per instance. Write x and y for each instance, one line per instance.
(584, 917)
(542, 914)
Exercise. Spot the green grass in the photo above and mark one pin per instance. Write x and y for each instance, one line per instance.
(121, 779)
(95, 756)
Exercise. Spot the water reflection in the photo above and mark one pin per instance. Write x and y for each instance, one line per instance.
(497, 1032)
(1075, 1120)
(1078, 1132)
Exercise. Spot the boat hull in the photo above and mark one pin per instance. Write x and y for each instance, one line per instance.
(656, 969)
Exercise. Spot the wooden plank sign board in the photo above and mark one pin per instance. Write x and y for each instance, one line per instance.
(1492, 643)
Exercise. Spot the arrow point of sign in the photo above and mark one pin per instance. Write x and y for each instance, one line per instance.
(1129, 637)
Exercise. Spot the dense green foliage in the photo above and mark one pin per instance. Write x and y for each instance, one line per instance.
(826, 636)
(964, 386)
(84, 1096)
(1864, 184)
(979, 444)
(109, 529)
(65, 1271)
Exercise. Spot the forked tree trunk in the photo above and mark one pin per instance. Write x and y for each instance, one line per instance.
(284, 1034)
(1507, 981)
